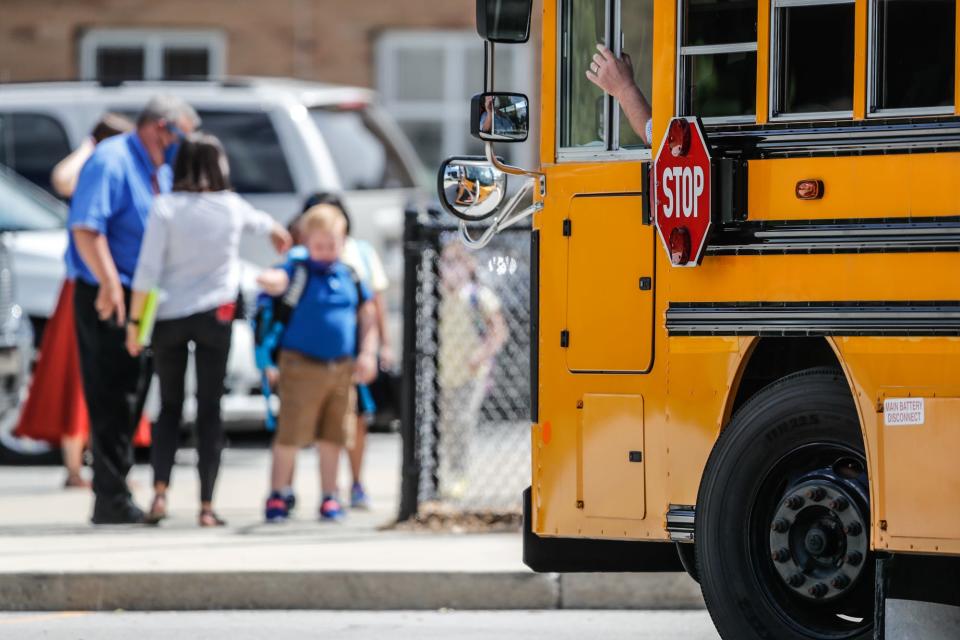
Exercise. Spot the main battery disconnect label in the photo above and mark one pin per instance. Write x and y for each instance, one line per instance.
(899, 412)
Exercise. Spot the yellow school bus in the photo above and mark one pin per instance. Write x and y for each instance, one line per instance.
(777, 407)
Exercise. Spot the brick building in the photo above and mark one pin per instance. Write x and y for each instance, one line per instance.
(423, 56)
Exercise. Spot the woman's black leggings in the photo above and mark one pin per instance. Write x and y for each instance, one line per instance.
(171, 343)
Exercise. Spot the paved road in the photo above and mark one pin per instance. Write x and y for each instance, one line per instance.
(281, 625)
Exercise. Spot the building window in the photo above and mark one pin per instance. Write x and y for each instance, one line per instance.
(718, 60)
(812, 70)
(912, 56)
(591, 124)
(426, 79)
(115, 64)
(636, 40)
(116, 55)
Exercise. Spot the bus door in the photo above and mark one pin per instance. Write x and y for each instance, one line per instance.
(610, 241)
(611, 249)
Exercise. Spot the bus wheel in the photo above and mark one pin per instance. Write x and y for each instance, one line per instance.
(783, 516)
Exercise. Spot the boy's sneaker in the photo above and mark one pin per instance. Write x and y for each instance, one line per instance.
(358, 497)
(276, 509)
(330, 509)
(290, 499)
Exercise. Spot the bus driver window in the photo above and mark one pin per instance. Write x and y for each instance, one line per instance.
(606, 49)
(627, 78)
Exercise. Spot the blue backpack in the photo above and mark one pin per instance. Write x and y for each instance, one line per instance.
(271, 319)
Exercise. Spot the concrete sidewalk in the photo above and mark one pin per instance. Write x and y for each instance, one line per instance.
(51, 559)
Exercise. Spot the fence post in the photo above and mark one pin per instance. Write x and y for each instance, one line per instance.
(432, 241)
(410, 473)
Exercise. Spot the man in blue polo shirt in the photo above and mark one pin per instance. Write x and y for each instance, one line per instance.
(108, 214)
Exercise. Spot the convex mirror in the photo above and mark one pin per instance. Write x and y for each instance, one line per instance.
(470, 187)
(506, 21)
(500, 117)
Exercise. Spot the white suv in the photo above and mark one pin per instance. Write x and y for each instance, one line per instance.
(286, 140)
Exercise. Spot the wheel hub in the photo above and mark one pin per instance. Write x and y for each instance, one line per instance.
(816, 541)
(818, 535)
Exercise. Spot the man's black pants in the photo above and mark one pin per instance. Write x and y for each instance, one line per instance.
(110, 385)
(171, 348)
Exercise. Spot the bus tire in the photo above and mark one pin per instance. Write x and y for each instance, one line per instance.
(782, 516)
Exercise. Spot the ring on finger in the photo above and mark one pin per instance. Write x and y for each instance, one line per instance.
(594, 67)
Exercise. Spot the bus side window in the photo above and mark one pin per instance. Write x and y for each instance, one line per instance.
(906, 36)
(591, 122)
(718, 60)
(583, 106)
(813, 59)
(636, 39)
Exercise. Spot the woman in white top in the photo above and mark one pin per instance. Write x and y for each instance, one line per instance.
(190, 253)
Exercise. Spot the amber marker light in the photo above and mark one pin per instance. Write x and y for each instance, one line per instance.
(680, 246)
(809, 189)
(678, 137)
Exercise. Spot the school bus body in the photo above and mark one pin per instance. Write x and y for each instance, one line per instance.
(615, 373)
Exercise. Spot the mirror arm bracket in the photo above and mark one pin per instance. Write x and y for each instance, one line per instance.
(502, 221)
(540, 177)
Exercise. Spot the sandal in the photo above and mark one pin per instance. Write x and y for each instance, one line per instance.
(158, 510)
(209, 518)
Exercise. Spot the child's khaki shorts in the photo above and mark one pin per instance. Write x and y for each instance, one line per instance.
(317, 401)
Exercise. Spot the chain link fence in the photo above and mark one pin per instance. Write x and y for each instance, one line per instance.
(466, 423)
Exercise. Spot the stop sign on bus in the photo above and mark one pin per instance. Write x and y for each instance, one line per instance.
(681, 192)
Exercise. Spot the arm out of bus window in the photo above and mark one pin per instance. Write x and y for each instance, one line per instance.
(615, 76)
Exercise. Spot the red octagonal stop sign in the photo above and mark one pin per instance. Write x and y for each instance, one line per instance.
(681, 190)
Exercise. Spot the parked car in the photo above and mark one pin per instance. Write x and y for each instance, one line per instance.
(23, 209)
(286, 139)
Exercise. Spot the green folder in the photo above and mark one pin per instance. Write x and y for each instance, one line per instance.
(147, 319)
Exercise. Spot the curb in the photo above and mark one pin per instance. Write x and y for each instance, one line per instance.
(155, 591)
(911, 620)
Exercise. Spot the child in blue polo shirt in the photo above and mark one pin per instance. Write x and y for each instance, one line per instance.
(328, 345)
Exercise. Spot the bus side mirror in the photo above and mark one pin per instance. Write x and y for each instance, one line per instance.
(470, 187)
(500, 117)
(506, 21)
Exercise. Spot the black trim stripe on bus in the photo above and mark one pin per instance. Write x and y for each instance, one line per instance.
(883, 235)
(867, 318)
(837, 138)
(535, 326)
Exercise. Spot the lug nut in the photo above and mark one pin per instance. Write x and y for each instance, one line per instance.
(781, 525)
(781, 555)
(797, 580)
(794, 502)
(855, 558)
(816, 494)
(853, 529)
(839, 503)
(819, 590)
(840, 582)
